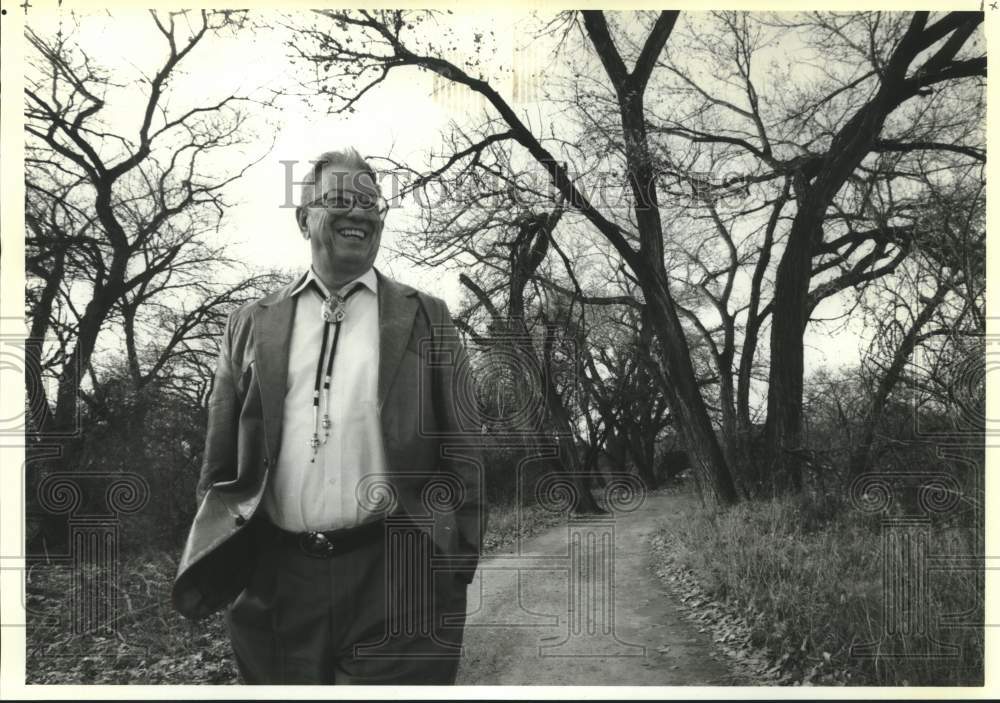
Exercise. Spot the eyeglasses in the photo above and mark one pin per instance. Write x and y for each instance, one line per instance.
(342, 202)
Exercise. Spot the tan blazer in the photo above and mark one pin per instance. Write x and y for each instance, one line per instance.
(429, 424)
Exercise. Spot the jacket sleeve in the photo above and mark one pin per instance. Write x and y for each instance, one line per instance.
(461, 444)
(219, 459)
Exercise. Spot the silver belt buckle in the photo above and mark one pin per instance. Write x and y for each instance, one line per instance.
(316, 544)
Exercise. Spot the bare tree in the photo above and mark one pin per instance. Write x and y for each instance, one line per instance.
(936, 301)
(367, 45)
(818, 178)
(830, 191)
(623, 380)
(118, 222)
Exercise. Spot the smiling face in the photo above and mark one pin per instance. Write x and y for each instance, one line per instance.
(343, 244)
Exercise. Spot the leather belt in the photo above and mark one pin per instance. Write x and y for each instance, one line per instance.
(327, 544)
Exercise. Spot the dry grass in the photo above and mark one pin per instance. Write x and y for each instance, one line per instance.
(151, 643)
(508, 520)
(809, 577)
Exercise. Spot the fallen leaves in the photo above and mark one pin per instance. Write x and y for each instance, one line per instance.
(150, 643)
(728, 628)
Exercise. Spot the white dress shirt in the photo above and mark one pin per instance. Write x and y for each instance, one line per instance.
(316, 491)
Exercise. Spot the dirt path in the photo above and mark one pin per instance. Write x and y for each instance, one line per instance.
(612, 622)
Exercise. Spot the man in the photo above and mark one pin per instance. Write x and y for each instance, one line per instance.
(340, 504)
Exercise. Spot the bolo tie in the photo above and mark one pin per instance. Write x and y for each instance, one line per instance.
(333, 310)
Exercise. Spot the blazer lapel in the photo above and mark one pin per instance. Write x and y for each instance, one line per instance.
(397, 308)
(272, 339)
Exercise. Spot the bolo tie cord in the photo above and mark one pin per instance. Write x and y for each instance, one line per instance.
(338, 316)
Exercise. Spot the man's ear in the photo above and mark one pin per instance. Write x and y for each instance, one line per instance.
(301, 217)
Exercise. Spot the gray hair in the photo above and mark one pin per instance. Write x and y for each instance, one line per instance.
(347, 157)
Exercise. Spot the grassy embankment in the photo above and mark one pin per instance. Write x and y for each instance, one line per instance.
(806, 577)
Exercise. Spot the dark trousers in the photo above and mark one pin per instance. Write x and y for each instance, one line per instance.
(378, 614)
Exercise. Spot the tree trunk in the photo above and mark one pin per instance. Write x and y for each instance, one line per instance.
(560, 419)
(71, 377)
(817, 181)
(640, 446)
(751, 336)
(684, 396)
(788, 325)
(40, 415)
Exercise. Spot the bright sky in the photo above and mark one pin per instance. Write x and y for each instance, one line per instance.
(402, 117)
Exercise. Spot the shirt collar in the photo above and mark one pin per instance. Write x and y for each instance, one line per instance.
(367, 279)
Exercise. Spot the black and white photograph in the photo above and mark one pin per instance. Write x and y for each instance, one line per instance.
(487, 348)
